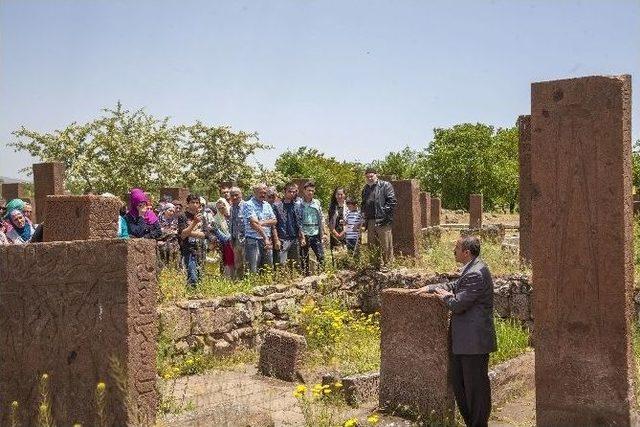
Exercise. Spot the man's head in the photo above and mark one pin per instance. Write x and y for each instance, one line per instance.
(260, 191)
(28, 211)
(178, 205)
(309, 191)
(272, 194)
(290, 191)
(225, 192)
(3, 207)
(351, 204)
(371, 176)
(467, 248)
(235, 195)
(193, 203)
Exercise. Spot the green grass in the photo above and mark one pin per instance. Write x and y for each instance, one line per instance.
(513, 340)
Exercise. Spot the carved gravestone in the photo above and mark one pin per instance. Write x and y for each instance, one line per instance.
(525, 189)
(48, 179)
(475, 211)
(582, 260)
(14, 190)
(414, 365)
(281, 354)
(176, 193)
(435, 211)
(82, 218)
(83, 313)
(406, 226)
(425, 209)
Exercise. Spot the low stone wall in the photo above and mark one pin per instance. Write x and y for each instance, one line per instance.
(222, 324)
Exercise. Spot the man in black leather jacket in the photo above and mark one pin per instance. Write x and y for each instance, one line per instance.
(378, 204)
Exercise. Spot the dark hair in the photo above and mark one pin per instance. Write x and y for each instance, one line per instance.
(309, 184)
(333, 204)
(193, 197)
(350, 201)
(471, 244)
(371, 169)
(289, 185)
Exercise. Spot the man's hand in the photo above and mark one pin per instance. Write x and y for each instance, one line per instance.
(302, 241)
(277, 245)
(442, 294)
(267, 244)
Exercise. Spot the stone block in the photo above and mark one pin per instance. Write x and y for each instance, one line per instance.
(582, 260)
(425, 209)
(176, 193)
(209, 320)
(525, 189)
(175, 321)
(82, 312)
(406, 221)
(48, 180)
(14, 190)
(281, 354)
(493, 232)
(358, 389)
(436, 208)
(81, 218)
(475, 211)
(415, 356)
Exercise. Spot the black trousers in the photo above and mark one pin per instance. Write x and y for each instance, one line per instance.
(470, 375)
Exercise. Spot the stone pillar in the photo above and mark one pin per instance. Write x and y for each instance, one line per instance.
(176, 193)
(525, 190)
(406, 219)
(582, 260)
(48, 180)
(414, 359)
(387, 178)
(425, 209)
(14, 190)
(475, 211)
(81, 218)
(435, 211)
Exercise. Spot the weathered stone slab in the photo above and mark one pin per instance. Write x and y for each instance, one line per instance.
(176, 193)
(525, 189)
(582, 259)
(48, 180)
(83, 313)
(406, 221)
(414, 368)
(81, 218)
(281, 354)
(425, 209)
(436, 207)
(475, 211)
(14, 190)
(362, 388)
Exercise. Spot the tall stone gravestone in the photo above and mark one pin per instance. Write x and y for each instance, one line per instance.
(48, 179)
(582, 260)
(436, 209)
(176, 193)
(475, 211)
(425, 209)
(406, 220)
(525, 189)
(414, 364)
(84, 313)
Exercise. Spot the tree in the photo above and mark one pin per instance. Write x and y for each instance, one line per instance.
(404, 164)
(123, 149)
(472, 158)
(327, 172)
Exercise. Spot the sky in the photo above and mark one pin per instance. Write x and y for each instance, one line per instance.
(354, 79)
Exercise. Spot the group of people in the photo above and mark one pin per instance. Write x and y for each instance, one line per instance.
(16, 224)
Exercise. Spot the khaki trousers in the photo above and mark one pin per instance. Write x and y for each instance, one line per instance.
(238, 259)
(380, 238)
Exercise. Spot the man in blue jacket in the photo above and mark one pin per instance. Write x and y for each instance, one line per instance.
(473, 336)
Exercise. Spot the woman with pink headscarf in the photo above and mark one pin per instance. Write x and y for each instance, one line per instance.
(142, 222)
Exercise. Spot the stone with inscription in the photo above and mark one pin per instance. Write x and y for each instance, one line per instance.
(84, 313)
(81, 218)
(414, 365)
(174, 193)
(525, 189)
(475, 211)
(582, 260)
(48, 180)
(425, 209)
(406, 226)
(436, 209)
(13, 190)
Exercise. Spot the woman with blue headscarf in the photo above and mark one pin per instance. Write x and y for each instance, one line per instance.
(19, 228)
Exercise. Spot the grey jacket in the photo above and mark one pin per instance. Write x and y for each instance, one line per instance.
(472, 328)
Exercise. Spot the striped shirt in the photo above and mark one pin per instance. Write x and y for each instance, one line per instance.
(352, 227)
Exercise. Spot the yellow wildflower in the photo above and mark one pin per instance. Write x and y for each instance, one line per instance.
(351, 422)
(101, 386)
(373, 419)
(14, 404)
(45, 377)
(338, 384)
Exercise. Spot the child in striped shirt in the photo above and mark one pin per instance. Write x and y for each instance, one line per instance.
(353, 221)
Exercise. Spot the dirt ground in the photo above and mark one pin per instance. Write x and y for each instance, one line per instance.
(462, 217)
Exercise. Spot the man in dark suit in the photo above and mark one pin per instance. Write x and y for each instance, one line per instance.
(473, 336)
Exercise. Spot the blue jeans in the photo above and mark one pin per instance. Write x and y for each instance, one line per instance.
(315, 243)
(351, 244)
(256, 255)
(190, 261)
